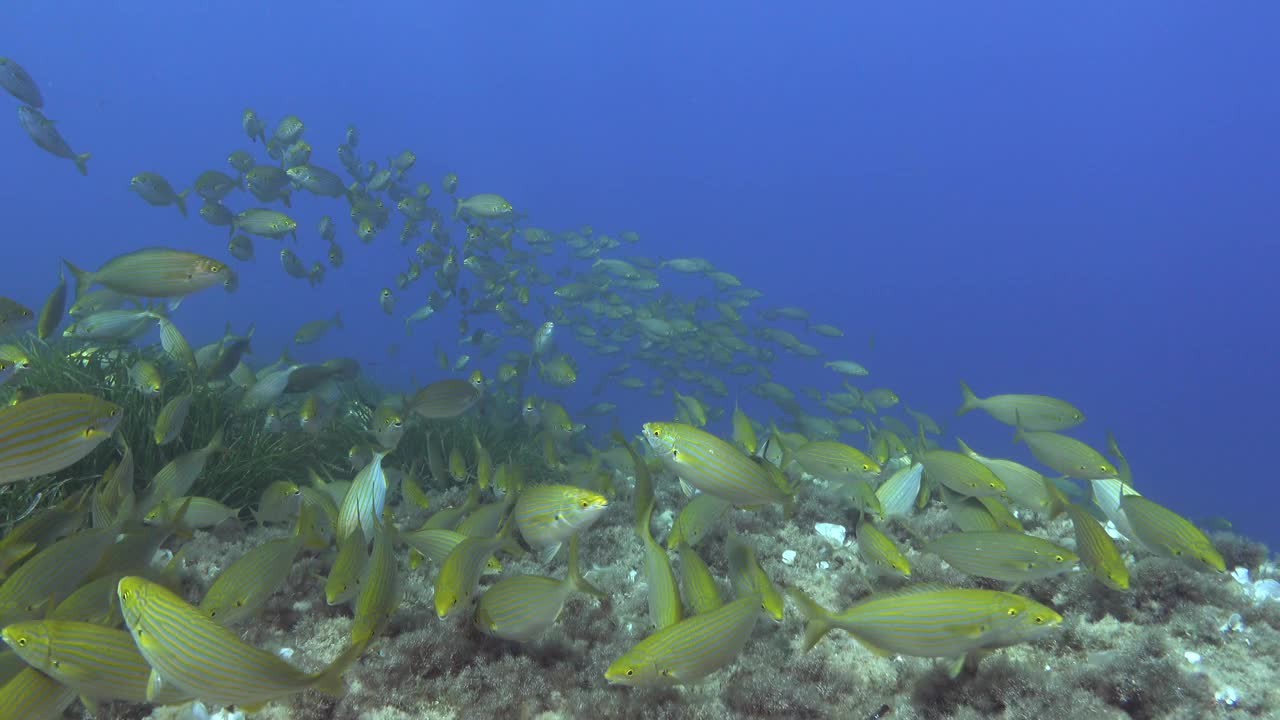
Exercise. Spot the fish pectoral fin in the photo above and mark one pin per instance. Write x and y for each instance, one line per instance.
(90, 704)
(546, 554)
(155, 685)
(966, 631)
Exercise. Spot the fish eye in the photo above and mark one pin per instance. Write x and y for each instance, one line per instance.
(1039, 619)
(630, 673)
(22, 642)
(1012, 612)
(1059, 558)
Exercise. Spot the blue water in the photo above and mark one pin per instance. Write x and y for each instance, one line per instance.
(1077, 201)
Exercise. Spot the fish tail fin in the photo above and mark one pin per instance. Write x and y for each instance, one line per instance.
(457, 207)
(287, 197)
(84, 278)
(181, 201)
(1018, 434)
(575, 578)
(969, 400)
(337, 319)
(215, 443)
(81, 161)
(329, 681)
(817, 619)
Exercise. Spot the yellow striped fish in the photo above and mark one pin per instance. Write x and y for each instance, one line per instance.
(961, 473)
(486, 519)
(970, 515)
(175, 479)
(196, 655)
(412, 492)
(1098, 552)
(834, 461)
(39, 530)
(444, 399)
(898, 494)
(522, 607)
(448, 518)
(1023, 485)
(749, 578)
(362, 507)
(664, 595)
(171, 419)
(93, 602)
(689, 650)
(744, 433)
(279, 502)
(243, 588)
(548, 515)
(1168, 534)
(50, 575)
(437, 543)
(713, 465)
(99, 663)
(156, 272)
(455, 582)
(880, 552)
(697, 519)
(1066, 455)
(1006, 556)
(931, 621)
(1034, 412)
(197, 513)
(379, 589)
(55, 306)
(50, 432)
(175, 345)
(701, 593)
(32, 695)
(343, 581)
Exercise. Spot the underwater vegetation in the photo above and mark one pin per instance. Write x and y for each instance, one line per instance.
(194, 531)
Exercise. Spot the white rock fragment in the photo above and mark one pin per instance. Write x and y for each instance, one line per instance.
(832, 533)
(1235, 623)
(285, 652)
(631, 576)
(823, 565)
(1264, 590)
(1241, 575)
(1192, 657)
(1228, 696)
(788, 557)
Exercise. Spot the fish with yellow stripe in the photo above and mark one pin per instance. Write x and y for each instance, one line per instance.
(100, 663)
(50, 432)
(932, 621)
(522, 607)
(714, 465)
(156, 272)
(196, 655)
(32, 695)
(1168, 534)
(1098, 552)
(689, 650)
(1003, 555)
(548, 515)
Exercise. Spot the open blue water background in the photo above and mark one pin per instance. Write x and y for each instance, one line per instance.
(1078, 200)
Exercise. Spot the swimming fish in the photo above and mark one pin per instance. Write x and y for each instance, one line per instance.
(50, 432)
(688, 650)
(196, 655)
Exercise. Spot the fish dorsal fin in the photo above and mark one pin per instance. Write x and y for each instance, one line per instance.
(910, 590)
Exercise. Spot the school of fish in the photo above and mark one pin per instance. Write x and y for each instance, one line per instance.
(87, 615)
